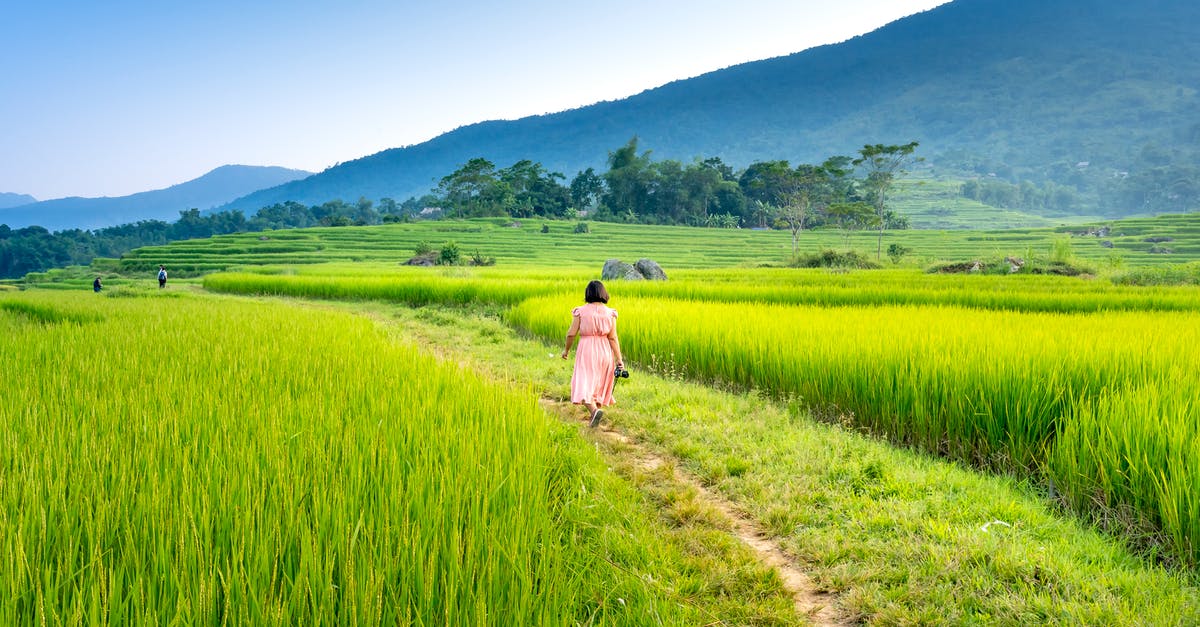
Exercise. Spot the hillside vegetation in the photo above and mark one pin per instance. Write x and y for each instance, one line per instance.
(1094, 97)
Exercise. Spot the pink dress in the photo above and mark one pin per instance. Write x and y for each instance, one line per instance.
(593, 377)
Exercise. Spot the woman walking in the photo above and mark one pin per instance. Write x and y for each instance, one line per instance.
(598, 354)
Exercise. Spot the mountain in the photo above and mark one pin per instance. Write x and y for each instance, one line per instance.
(1098, 95)
(9, 199)
(218, 186)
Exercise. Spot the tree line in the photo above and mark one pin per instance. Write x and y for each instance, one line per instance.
(706, 192)
(842, 191)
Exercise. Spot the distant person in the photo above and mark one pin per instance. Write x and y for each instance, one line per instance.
(96, 287)
(162, 277)
(599, 352)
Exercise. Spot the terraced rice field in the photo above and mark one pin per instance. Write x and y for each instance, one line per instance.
(674, 247)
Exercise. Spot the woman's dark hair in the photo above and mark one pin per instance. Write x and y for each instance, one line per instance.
(595, 293)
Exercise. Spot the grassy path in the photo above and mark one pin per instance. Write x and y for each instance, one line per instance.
(815, 605)
(897, 537)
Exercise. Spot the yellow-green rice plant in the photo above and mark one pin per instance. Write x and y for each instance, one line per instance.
(507, 286)
(1138, 448)
(210, 461)
(409, 289)
(908, 287)
(990, 387)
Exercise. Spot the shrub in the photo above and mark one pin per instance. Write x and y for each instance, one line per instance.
(450, 255)
(896, 252)
(582, 227)
(834, 259)
(478, 259)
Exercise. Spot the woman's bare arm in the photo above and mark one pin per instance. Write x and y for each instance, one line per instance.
(571, 333)
(615, 343)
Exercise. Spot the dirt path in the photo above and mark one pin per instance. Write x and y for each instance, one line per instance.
(809, 602)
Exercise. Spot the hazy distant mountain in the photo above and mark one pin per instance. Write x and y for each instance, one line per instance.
(9, 199)
(217, 187)
(1079, 92)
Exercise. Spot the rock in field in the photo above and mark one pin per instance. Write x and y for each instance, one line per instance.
(650, 270)
(643, 269)
(617, 269)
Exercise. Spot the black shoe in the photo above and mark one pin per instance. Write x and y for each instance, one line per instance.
(596, 418)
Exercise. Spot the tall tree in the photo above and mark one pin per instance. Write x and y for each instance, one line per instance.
(630, 180)
(796, 200)
(475, 190)
(769, 182)
(587, 188)
(701, 181)
(715, 163)
(851, 216)
(881, 165)
(535, 190)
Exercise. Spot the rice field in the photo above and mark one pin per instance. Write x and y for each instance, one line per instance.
(523, 243)
(176, 459)
(1012, 373)
(1016, 391)
(509, 286)
(245, 445)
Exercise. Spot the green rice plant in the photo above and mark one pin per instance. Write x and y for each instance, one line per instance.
(1173, 274)
(211, 461)
(906, 287)
(1137, 449)
(762, 285)
(410, 289)
(900, 537)
(993, 388)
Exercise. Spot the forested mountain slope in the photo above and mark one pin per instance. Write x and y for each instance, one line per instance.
(1095, 95)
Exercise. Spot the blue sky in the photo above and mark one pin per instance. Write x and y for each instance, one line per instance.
(112, 98)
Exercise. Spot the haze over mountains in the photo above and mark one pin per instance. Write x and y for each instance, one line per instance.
(214, 188)
(1099, 95)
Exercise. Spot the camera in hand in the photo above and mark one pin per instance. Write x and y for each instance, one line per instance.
(621, 373)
